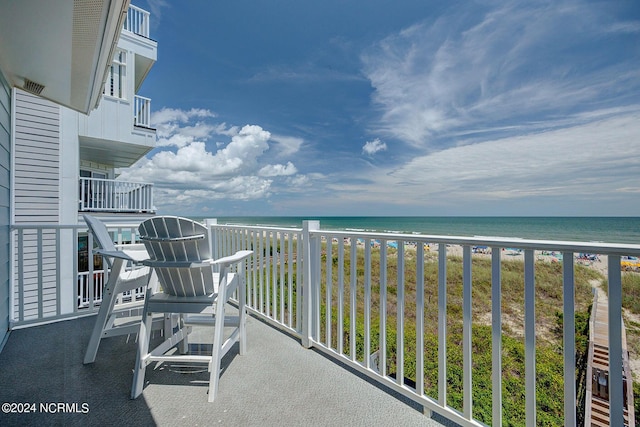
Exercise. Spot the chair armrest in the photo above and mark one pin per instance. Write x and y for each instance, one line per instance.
(114, 254)
(138, 255)
(232, 259)
(176, 264)
(228, 260)
(172, 239)
(131, 247)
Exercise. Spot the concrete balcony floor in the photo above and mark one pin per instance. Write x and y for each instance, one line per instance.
(278, 383)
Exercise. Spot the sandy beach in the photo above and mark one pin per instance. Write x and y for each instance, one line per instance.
(598, 262)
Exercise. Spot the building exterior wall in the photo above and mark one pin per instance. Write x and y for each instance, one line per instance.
(43, 149)
(5, 208)
(36, 197)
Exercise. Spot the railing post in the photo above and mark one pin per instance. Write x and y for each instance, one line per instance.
(530, 337)
(569, 339)
(150, 195)
(309, 258)
(616, 399)
(213, 237)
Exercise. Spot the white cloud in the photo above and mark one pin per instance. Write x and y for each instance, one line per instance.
(192, 164)
(372, 147)
(278, 170)
(625, 27)
(174, 127)
(189, 168)
(171, 115)
(287, 145)
(298, 181)
(518, 63)
(594, 161)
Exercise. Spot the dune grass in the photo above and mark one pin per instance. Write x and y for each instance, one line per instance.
(549, 359)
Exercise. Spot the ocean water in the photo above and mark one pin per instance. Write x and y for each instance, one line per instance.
(589, 229)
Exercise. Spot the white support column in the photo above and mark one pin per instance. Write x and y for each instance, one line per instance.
(308, 277)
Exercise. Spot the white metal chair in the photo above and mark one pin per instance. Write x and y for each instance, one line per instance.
(124, 318)
(180, 254)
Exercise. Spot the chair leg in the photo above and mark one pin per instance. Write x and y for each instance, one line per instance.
(183, 346)
(108, 301)
(144, 339)
(216, 352)
(242, 317)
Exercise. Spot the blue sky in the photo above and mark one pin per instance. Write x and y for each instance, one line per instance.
(395, 107)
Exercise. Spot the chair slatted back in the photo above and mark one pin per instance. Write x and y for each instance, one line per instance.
(100, 234)
(172, 240)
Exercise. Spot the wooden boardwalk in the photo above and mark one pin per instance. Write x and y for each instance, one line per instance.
(597, 397)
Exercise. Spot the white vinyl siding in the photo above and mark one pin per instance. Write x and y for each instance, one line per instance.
(36, 192)
(5, 197)
(37, 160)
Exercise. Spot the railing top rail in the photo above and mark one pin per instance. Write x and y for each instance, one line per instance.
(138, 9)
(142, 97)
(502, 242)
(137, 21)
(603, 248)
(259, 227)
(44, 226)
(114, 180)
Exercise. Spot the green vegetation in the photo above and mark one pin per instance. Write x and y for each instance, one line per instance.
(549, 360)
(631, 302)
(631, 292)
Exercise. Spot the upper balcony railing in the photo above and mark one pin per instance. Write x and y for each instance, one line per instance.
(142, 111)
(137, 21)
(382, 304)
(109, 195)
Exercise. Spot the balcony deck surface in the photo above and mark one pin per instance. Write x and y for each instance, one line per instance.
(278, 383)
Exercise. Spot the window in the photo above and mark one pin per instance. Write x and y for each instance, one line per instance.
(116, 75)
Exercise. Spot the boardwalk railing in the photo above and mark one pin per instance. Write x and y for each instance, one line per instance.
(364, 299)
(110, 195)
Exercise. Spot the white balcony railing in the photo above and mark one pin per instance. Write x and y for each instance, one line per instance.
(319, 286)
(109, 195)
(137, 21)
(45, 259)
(141, 111)
(338, 309)
(91, 285)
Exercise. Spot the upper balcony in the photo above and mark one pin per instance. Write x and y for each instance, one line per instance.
(121, 125)
(135, 37)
